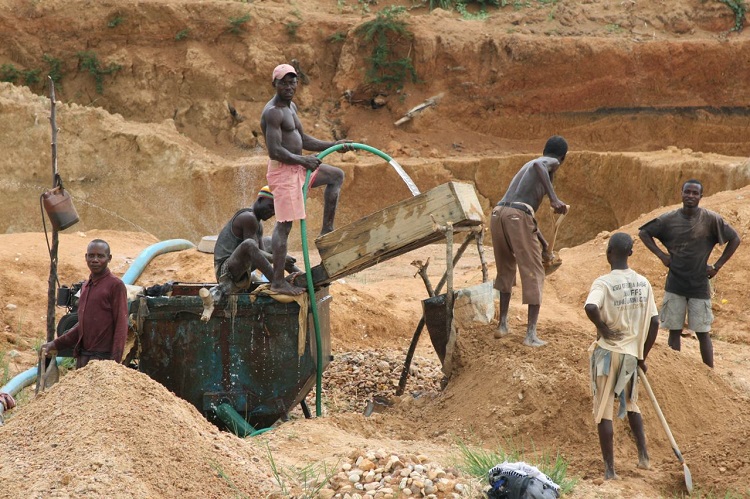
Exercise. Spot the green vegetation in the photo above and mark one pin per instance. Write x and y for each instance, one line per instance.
(337, 37)
(55, 72)
(364, 5)
(469, 16)
(457, 4)
(115, 21)
(517, 4)
(612, 28)
(182, 34)
(4, 369)
(739, 7)
(384, 33)
(237, 24)
(291, 29)
(222, 474)
(11, 74)
(303, 483)
(478, 462)
(31, 76)
(460, 6)
(89, 62)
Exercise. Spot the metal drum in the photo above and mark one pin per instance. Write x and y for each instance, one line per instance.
(246, 355)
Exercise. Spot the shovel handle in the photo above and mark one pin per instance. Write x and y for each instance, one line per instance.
(558, 222)
(663, 420)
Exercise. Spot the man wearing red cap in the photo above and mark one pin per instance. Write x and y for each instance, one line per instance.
(287, 169)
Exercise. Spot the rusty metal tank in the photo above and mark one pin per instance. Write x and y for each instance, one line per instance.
(251, 354)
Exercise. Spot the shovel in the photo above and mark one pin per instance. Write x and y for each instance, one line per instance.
(46, 375)
(555, 261)
(685, 469)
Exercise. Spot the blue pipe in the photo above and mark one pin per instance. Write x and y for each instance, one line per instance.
(139, 264)
(26, 378)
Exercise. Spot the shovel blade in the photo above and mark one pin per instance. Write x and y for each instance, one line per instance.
(688, 478)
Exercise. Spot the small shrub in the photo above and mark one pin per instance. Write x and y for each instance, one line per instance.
(337, 37)
(236, 24)
(31, 76)
(90, 62)
(291, 29)
(385, 33)
(115, 21)
(9, 73)
(55, 72)
(182, 34)
(613, 28)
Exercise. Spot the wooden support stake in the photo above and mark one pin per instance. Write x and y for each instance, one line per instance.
(52, 281)
(479, 236)
(421, 324)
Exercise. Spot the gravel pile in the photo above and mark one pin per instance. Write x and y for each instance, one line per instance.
(380, 475)
(355, 380)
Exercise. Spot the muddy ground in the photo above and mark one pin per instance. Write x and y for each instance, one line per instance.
(648, 94)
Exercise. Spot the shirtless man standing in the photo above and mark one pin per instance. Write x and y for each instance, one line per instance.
(287, 169)
(516, 239)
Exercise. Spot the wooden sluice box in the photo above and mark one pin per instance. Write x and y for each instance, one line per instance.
(395, 230)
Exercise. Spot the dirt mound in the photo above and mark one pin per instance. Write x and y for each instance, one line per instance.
(109, 431)
(541, 397)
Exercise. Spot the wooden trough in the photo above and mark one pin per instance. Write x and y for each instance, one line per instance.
(395, 230)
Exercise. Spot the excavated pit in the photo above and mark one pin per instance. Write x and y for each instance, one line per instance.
(605, 191)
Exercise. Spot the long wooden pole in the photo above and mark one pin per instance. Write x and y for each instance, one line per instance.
(663, 421)
(52, 282)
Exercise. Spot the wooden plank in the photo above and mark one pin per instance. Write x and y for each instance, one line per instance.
(398, 229)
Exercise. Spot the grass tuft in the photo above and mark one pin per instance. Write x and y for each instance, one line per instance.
(302, 483)
(478, 462)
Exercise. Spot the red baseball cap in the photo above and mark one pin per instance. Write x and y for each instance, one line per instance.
(281, 70)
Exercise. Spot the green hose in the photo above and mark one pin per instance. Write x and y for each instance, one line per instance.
(235, 422)
(306, 255)
(313, 306)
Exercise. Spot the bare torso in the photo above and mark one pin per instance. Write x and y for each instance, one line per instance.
(289, 124)
(527, 186)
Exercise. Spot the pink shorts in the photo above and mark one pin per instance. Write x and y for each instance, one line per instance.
(286, 182)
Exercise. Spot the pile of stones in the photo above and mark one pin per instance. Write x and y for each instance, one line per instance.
(381, 475)
(355, 380)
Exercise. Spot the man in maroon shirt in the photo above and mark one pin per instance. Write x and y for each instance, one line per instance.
(102, 313)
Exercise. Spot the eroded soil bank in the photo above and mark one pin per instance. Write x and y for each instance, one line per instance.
(648, 94)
